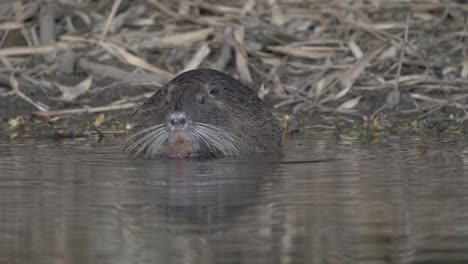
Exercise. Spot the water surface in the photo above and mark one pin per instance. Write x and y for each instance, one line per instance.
(325, 200)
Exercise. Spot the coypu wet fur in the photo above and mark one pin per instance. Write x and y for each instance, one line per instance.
(203, 113)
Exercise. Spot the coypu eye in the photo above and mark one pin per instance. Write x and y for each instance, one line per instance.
(214, 91)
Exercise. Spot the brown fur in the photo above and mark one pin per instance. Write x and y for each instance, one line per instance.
(213, 98)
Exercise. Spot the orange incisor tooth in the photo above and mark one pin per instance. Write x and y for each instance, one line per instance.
(180, 140)
(180, 147)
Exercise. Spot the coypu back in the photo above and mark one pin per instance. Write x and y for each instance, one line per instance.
(203, 113)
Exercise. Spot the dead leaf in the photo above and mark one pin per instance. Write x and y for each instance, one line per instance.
(186, 38)
(355, 49)
(16, 122)
(350, 76)
(277, 16)
(135, 61)
(376, 124)
(242, 63)
(464, 72)
(198, 58)
(350, 104)
(393, 99)
(71, 92)
(248, 7)
(318, 88)
(100, 119)
(308, 52)
(16, 89)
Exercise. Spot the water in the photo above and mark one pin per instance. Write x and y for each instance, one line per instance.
(324, 201)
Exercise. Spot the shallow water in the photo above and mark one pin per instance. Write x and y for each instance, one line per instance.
(323, 201)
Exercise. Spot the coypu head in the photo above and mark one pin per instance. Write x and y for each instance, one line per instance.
(203, 113)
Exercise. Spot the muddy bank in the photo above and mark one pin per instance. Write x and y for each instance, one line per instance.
(75, 69)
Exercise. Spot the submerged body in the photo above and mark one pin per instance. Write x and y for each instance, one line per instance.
(203, 113)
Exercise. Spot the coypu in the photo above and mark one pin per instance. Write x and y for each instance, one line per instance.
(203, 113)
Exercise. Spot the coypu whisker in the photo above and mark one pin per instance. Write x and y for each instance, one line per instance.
(222, 140)
(152, 133)
(144, 131)
(206, 142)
(154, 142)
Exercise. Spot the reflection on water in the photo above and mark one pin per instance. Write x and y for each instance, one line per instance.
(324, 201)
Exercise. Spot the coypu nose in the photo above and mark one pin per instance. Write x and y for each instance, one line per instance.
(177, 119)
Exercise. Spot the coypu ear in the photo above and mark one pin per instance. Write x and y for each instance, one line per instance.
(201, 99)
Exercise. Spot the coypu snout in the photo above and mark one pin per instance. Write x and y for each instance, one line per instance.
(177, 120)
(203, 113)
(180, 141)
